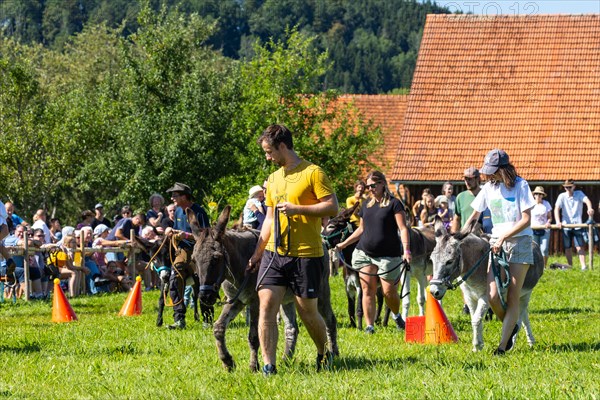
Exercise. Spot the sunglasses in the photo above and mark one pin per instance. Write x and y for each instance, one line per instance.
(568, 187)
(372, 186)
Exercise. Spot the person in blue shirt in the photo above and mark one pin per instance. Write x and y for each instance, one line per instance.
(181, 232)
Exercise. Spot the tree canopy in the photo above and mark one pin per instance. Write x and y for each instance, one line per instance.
(372, 44)
(113, 118)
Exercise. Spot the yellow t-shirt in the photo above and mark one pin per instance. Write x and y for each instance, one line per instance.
(350, 202)
(304, 185)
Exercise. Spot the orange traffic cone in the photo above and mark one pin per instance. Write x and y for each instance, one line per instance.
(133, 304)
(61, 309)
(437, 327)
(415, 329)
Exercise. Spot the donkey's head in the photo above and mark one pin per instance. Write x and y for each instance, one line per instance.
(210, 257)
(338, 228)
(446, 257)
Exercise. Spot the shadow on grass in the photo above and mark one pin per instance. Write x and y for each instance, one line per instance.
(582, 347)
(349, 363)
(565, 310)
(21, 348)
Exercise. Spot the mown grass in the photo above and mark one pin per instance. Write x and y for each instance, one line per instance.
(106, 356)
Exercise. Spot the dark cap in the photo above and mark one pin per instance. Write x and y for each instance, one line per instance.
(569, 182)
(180, 187)
(471, 172)
(493, 160)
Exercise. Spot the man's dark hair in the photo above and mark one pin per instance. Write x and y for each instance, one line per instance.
(276, 134)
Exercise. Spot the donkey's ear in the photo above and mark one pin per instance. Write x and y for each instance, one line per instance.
(193, 221)
(440, 229)
(222, 221)
(471, 227)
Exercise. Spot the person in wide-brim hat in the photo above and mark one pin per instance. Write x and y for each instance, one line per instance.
(539, 190)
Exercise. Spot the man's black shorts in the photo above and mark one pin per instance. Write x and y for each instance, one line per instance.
(302, 275)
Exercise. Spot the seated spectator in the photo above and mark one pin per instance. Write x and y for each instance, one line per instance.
(93, 277)
(99, 217)
(39, 222)
(86, 219)
(254, 205)
(66, 266)
(448, 190)
(155, 214)
(109, 271)
(169, 220)
(55, 229)
(121, 231)
(428, 213)
(441, 203)
(14, 218)
(419, 205)
(18, 239)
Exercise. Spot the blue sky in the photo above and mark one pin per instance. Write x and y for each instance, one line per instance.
(494, 7)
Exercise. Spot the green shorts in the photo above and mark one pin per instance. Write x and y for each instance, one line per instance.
(388, 268)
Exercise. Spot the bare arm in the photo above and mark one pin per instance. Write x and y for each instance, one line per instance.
(590, 208)
(404, 235)
(263, 239)
(474, 216)
(326, 207)
(557, 216)
(353, 238)
(455, 225)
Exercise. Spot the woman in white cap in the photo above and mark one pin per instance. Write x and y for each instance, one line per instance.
(541, 215)
(254, 206)
(510, 201)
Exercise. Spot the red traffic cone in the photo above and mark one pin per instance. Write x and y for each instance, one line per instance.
(61, 309)
(133, 304)
(437, 327)
(415, 329)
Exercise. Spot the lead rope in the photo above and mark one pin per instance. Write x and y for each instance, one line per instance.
(497, 262)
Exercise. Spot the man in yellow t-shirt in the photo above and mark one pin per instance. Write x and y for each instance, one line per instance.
(299, 194)
(357, 197)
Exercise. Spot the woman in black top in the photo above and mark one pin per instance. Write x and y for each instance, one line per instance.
(380, 250)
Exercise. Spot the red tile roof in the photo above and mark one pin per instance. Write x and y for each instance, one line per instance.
(527, 84)
(387, 113)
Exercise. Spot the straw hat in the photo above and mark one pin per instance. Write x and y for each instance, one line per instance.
(254, 190)
(539, 190)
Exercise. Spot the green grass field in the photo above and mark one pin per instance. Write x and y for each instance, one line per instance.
(105, 356)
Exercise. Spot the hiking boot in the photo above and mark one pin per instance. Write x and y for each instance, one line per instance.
(177, 325)
(324, 361)
(512, 340)
(466, 310)
(369, 330)
(499, 352)
(269, 369)
(400, 324)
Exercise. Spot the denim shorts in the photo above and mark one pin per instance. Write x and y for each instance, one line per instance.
(385, 265)
(573, 236)
(518, 249)
(544, 242)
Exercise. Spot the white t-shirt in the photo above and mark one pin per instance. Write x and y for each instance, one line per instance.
(571, 207)
(506, 205)
(539, 213)
(39, 224)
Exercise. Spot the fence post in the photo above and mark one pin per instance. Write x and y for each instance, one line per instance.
(132, 254)
(26, 266)
(591, 244)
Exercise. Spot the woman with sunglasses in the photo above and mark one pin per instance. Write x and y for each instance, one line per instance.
(380, 250)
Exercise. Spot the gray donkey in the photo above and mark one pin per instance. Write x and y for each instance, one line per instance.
(455, 255)
(221, 256)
